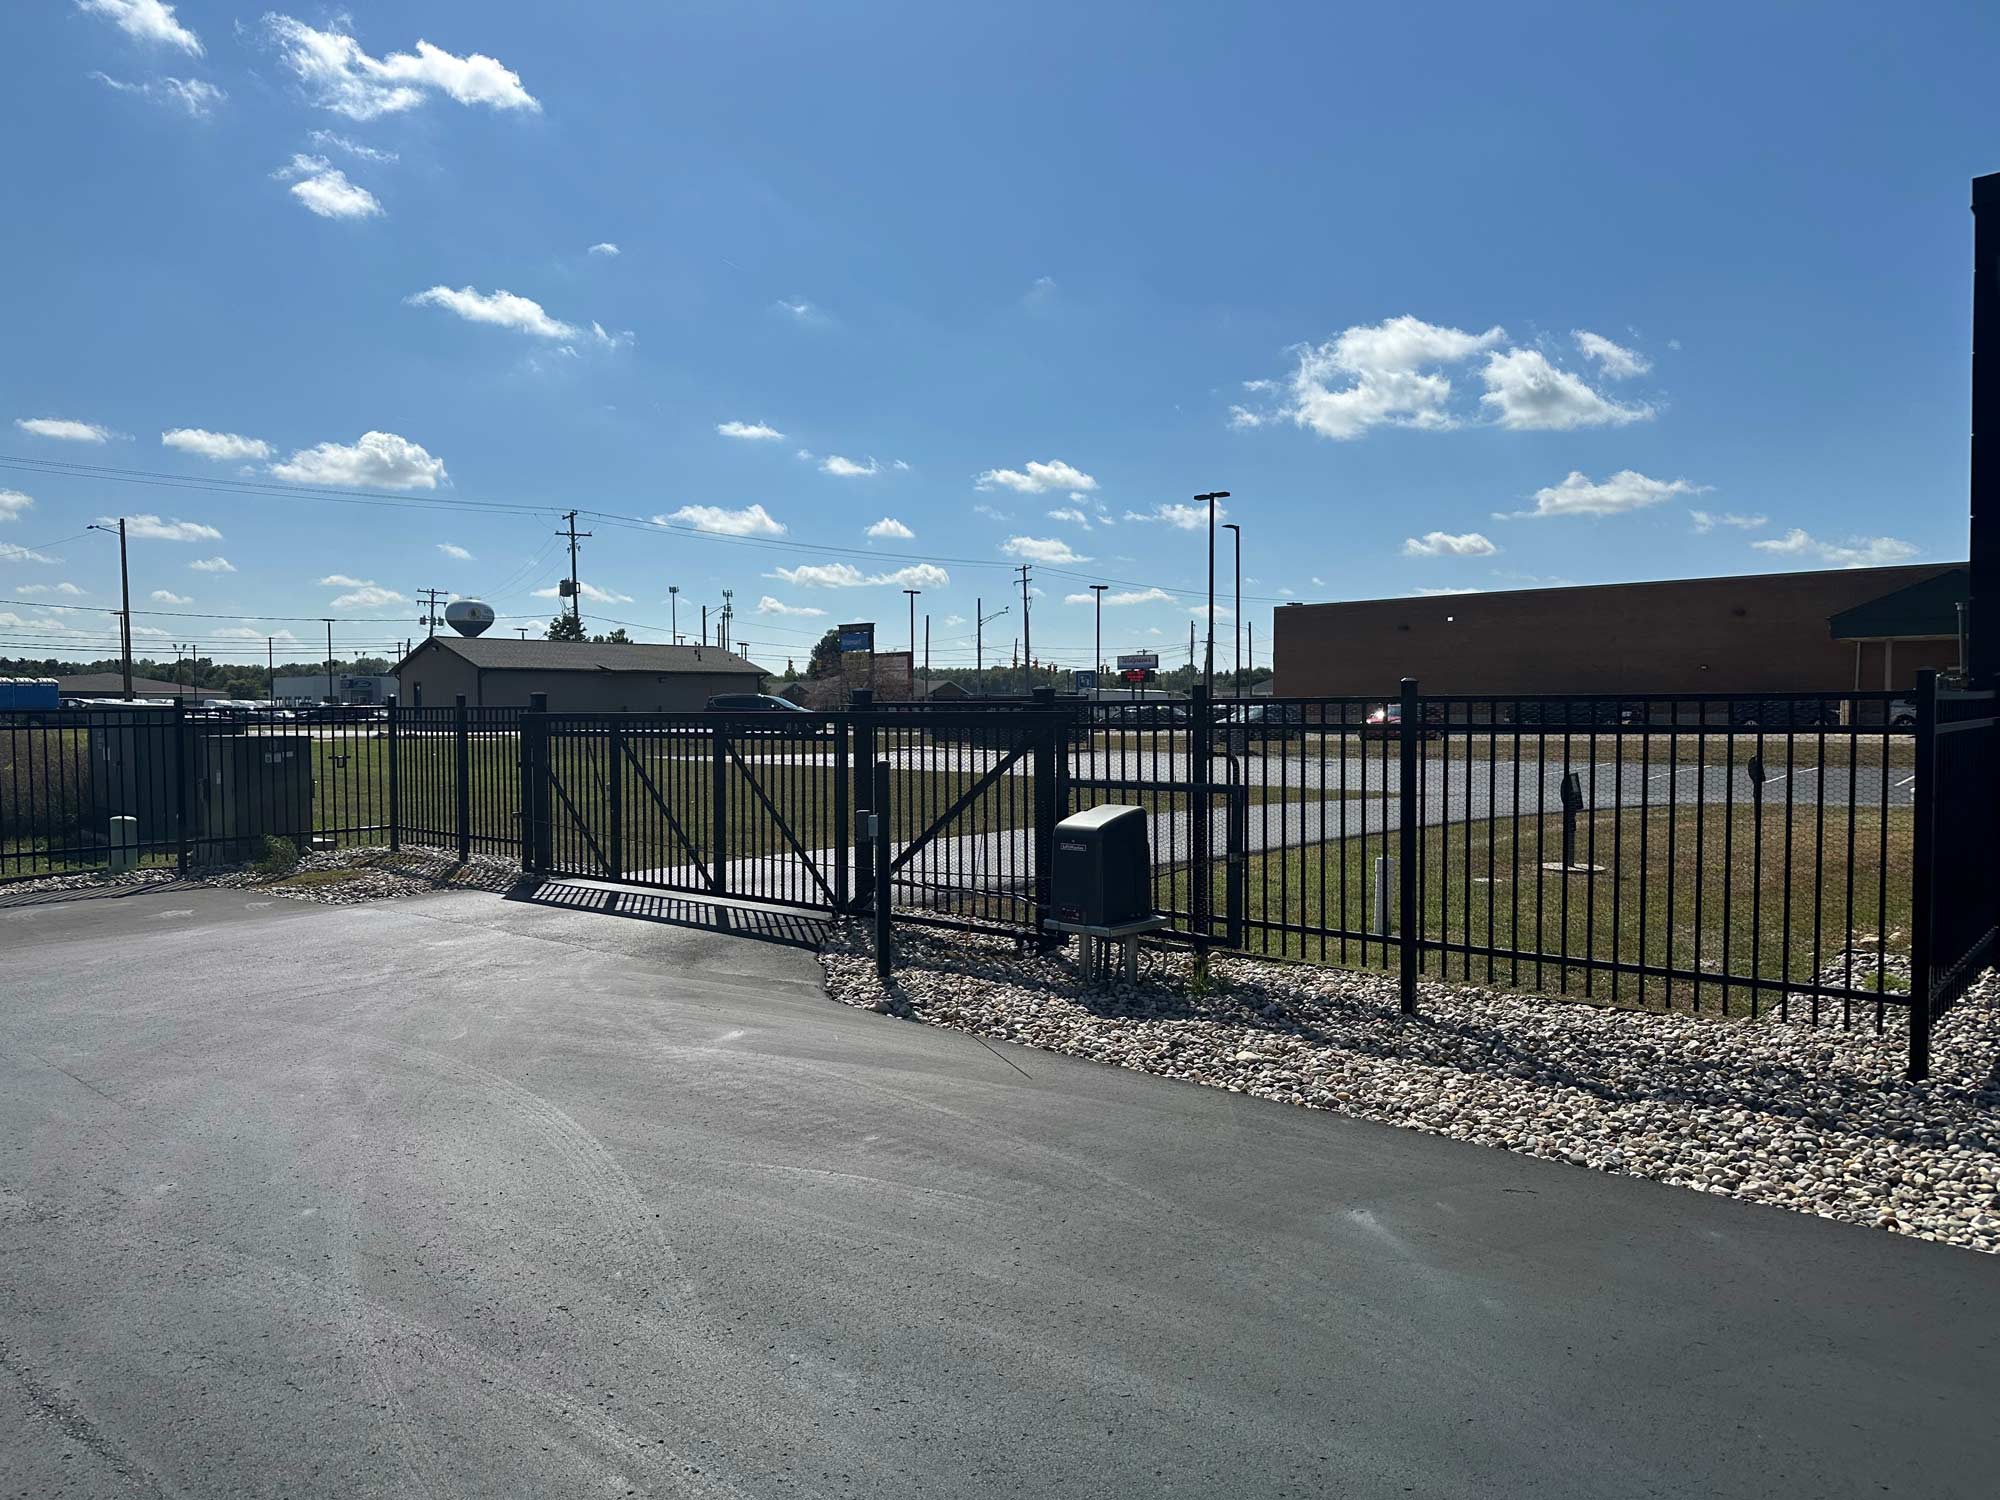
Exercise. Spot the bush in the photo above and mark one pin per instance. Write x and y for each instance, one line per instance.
(281, 857)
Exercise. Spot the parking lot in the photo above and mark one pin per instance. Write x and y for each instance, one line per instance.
(473, 1196)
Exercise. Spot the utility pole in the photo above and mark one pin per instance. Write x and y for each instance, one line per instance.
(1190, 646)
(125, 601)
(1208, 660)
(575, 594)
(1027, 629)
(927, 646)
(913, 620)
(1097, 661)
(329, 662)
(704, 624)
(674, 612)
(430, 616)
(271, 667)
(1236, 614)
(728, 618)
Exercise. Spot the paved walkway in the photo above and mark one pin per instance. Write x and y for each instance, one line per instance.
(461, 1196)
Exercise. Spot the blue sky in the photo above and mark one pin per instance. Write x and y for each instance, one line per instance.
(1447, 297)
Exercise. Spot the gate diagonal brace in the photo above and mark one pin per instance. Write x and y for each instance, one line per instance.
(783, 827)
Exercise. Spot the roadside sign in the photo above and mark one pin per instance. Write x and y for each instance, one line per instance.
(1140, 661)
(1083, 680)
(858, 637)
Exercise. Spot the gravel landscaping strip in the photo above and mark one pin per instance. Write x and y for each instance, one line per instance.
(343, 877)
(1814, 1119)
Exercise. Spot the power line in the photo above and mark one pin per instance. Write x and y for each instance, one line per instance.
(459, 504)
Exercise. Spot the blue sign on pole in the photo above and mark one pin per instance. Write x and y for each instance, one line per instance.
(857, 637)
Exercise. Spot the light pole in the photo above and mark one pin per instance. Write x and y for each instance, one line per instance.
(913, 593)
(329, 661)
(1236, 614)
(1097, 661)
(674, 611)
(1208, 660)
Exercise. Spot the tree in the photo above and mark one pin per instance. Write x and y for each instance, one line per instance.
(617, 637)
(566, 627)
(826, 656)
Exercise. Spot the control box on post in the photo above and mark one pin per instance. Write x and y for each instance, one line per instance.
(1102, 868)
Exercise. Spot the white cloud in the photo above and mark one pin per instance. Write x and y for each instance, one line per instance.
(1040, 478)
(333, 140)
(1526, 392)
(145, 20)
(752, 520)
(1376, 375)
(755, 432)
(68, 589)
(14, 504)
(346, 80)
(1440, 593)
(1071, 513)
(605, 247)
(247, 632)
(503, 309)
(901, 466)
(1445, 544)
(14, 552)
(847, 468)
(454, 551)
(954, 619)
(1115, 598)
(168, 596)
(199, 99)
(379, 459)
(891, 528)
(991, 513)
(1222, 612)
(213, 565)
(770, 606)
(362, 593)
(64, 430)
(221, 446)
(1855, 552)
(324, 189)
(1182, 516)
(1705, 521)
(847, 576)
(802, 310)
(589, 591)
(1041, 549)
(1624, 491)
(158, 530)
(1616, 361)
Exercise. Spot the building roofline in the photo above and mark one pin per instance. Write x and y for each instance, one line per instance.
(1630, 583)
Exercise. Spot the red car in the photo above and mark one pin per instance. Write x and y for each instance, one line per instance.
(1386, 723)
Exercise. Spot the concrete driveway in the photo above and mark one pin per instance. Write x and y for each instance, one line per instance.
(460, 1196)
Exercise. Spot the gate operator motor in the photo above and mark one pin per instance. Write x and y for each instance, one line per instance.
(1102, 871)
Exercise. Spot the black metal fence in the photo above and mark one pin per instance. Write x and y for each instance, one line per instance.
(1818, 856)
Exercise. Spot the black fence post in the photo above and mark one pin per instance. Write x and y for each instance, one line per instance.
(879, 805)
(718, 808)
(1925, 888)
(395, 783)
(1043, 762)
(1201, 749)
(183, 770)
(863, 704)
(1408, 828)
(534, 753)
(843, 832)
(462, 774)
(615, 794)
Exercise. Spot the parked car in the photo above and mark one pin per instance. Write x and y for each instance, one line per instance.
(1386, 723)
(1903, 713)
(1142, 716)
(770, 714)
(1786, 713)
(1264, 721)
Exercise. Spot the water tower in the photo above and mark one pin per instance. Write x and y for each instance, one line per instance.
(468, 616)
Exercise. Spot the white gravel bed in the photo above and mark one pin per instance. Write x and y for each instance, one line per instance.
(1817, 1120)
(371, 874)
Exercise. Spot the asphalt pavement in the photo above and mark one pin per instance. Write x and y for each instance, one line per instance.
(464, 1196)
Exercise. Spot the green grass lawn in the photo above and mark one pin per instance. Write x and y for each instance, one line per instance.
(1704, 889)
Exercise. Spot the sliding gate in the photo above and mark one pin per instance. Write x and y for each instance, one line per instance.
(760, 807)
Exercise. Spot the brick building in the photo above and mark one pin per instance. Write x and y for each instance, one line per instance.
(1865, 628)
